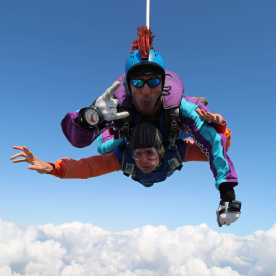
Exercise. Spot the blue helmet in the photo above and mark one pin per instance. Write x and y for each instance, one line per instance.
(135, 65)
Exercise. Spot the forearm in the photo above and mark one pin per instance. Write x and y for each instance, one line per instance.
(225, 131)
(227, 193)
(194, 153)
(212, 144)
(78, 136)
(87, 167)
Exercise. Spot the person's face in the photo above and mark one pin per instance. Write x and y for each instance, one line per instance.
(144, 164)
(146, 96)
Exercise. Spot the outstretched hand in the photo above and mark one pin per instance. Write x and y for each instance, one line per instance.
(36, 164)
(208, 116)
(108, 106)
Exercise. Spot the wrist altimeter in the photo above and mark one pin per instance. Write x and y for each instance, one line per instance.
(91, 117)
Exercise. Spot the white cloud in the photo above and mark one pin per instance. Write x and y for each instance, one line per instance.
(76, 249)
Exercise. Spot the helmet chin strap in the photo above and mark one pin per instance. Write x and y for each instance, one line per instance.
(157, 103)
(160, 162)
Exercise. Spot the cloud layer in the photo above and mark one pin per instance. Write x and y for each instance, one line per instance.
(76, 249)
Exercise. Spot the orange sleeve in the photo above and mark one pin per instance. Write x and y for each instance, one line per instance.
(193, 152)
(87, 167)
(227, 134)
(220, 128)
(60, 167)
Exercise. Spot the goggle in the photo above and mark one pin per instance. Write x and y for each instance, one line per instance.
(150, 154)
(140, 83)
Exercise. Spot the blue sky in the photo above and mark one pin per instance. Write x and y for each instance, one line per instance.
(58, 56)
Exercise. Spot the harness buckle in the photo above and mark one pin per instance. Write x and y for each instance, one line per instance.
(174, 131)
(173, 147)
(124, 132)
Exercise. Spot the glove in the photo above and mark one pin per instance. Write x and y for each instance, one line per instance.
(108, 106)
(228, 212)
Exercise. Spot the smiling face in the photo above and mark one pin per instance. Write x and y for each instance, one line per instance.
(144, 164)
(146, 97)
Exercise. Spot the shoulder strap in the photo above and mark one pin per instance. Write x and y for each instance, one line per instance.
(128, 165)
(124, 126)
(174, 161)
(172, 122)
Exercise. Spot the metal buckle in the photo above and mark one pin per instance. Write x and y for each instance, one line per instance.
(124, 132)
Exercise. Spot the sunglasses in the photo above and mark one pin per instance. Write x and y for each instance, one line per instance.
(140, 83)
(149, 154)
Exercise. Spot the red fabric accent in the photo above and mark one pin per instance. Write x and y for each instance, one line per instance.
(144, 41)
(113, 133)
(116, 136)
(220, 128)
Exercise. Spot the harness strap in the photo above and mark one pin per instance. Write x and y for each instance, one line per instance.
(174, 160)
(172, 122)
(128, 168)
(125, 125)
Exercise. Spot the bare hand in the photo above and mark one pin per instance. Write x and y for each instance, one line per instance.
(36, 164)
(208, 116)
